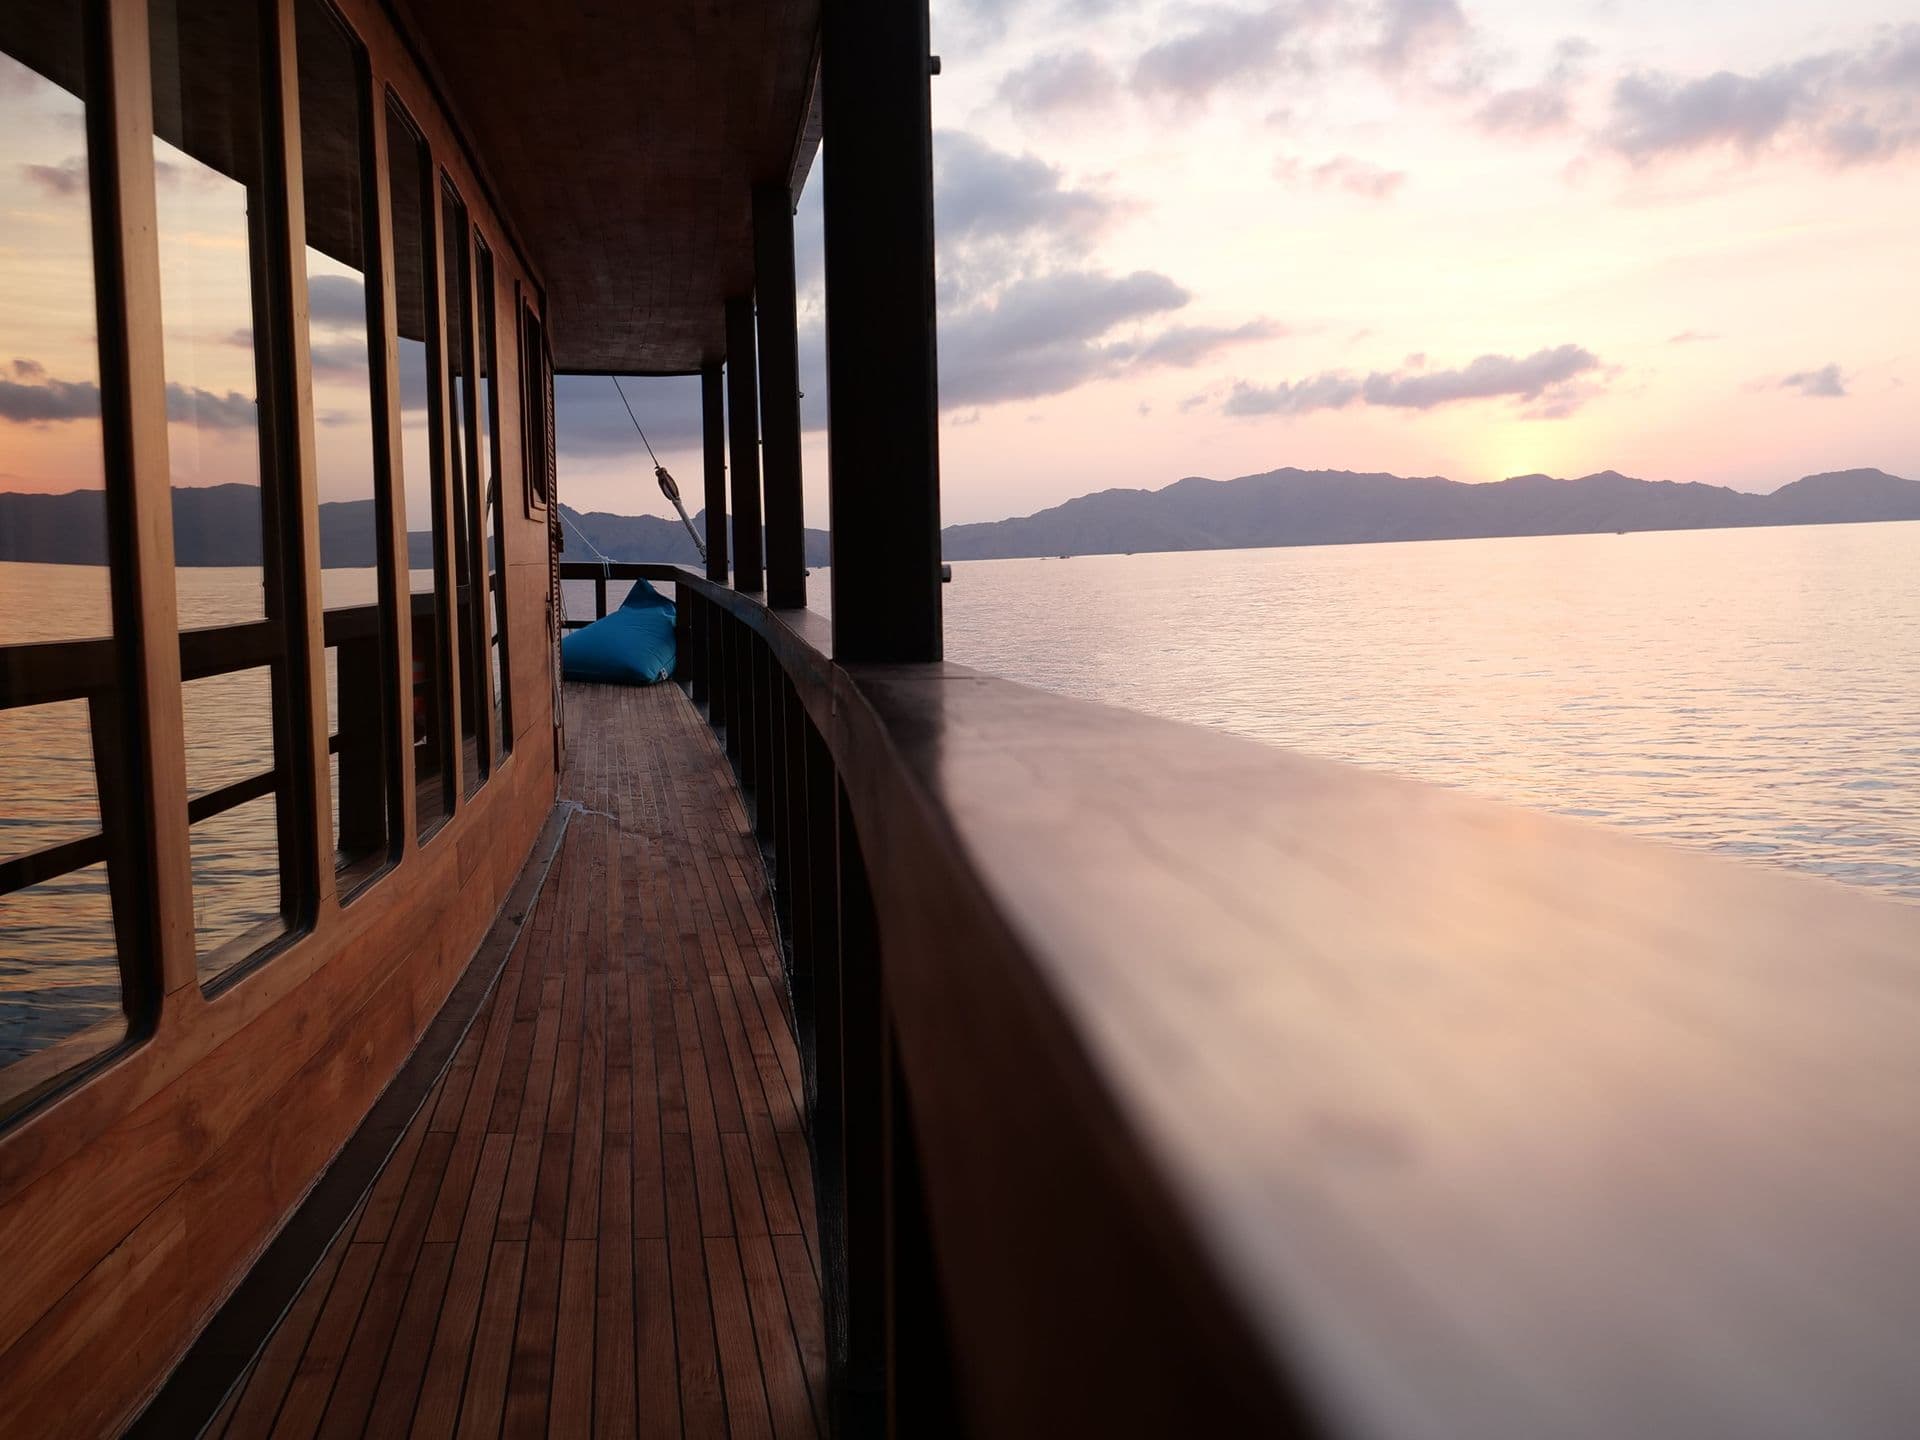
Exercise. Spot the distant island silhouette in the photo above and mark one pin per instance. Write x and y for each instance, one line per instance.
(220, 524)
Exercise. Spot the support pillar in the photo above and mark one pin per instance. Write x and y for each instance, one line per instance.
(743, 416)
(884, 467)
(713, 436)
(774, 304)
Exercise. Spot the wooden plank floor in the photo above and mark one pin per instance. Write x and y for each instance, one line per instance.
(601, 1220)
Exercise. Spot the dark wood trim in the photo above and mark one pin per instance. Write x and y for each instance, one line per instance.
(224, 649)
(743, 424)
(486, 278)
(140, 505)
(428, 80)
(53, 671)
(383, 310)
(860, 1370)
(533, 424)
(219, 1357)
(774, 304)
(884, 463)
(713, 454)
(295, 477)
(440, 485)
(469, 527)
(227, 797)
(390, 517)
(17, 872)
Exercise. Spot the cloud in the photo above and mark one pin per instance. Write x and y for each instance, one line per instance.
(1548, 105)
(190, 405)
(1059, 82)
(1022, 314)
(593, 423)
(46, 402)
(347, 358)
(1846, 107)
(1049, 333)
(1546, 376)
(1184, 346)
(1410, 32)
(1525, 111)
(1002, 216)
(1043, 335)
(1691, 337)
(49, 401)
(1826, 383)
(69, 177)
(1226, 48)
(1344, 172)
(336, 302)
(983, 193)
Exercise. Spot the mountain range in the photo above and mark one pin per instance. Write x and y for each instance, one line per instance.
(220, 524)
(1340, 507)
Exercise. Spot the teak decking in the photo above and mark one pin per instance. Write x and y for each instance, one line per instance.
(601, 1219)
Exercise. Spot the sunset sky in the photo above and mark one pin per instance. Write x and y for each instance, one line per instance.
(1475, 239)
(1471, 239)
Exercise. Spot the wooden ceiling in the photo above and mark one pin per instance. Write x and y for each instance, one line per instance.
(623, 140)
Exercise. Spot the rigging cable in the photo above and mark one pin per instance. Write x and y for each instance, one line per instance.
(667, 485)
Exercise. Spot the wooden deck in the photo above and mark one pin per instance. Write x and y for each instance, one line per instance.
(601, 1220)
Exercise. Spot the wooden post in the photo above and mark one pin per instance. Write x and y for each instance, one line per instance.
(140, 503)
(884, 470)
(743, 416)
(383, 291)
(779, 395)
(292, 481)
(713, 436)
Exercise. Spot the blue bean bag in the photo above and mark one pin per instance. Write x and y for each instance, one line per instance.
(631, 646)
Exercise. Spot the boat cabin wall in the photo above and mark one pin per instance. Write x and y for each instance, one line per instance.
(138, 1182)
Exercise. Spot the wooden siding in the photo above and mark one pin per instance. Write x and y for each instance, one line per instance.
(133, 1203)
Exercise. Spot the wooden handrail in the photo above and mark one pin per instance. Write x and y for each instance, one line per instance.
(1309, 1099)
(54, 672)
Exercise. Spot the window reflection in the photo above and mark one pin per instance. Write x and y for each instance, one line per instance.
(493, 517)
(229, 527)
(464, 460)
(409, 182)
(355, 552)
(63, 731)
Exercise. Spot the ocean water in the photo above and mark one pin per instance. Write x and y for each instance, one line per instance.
(1750, 692)
(58, 972)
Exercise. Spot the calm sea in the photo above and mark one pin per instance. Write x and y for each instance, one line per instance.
(57, 969)
(1752, 692)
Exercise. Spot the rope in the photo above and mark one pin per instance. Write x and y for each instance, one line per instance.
(667, 485)
(636, 421)
(597, 553)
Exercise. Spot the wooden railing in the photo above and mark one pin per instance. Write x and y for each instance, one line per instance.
(50, 673)
(1165, 1083)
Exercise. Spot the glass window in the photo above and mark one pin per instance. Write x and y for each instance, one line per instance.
(409, 180)
(356, 553)
(238, 576)
(463, 451)
(493, 516)
(64, 826)
(535, 419)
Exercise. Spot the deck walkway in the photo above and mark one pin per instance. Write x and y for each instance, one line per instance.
(601, 1220)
